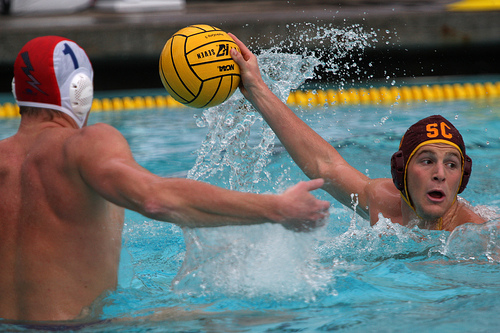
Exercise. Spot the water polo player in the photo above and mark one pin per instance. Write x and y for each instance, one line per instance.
(64, 187)
(429, 170)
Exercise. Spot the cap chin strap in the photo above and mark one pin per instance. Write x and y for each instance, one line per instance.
(13, 87)
(439, 225)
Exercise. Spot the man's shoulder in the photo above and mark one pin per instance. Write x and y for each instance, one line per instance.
(7, 142)
(98, 128)
(94, 138)
(97, 132)
(384, 185)
(468, 213)
(382, 192)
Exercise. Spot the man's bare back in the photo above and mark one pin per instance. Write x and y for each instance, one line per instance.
(61, 240)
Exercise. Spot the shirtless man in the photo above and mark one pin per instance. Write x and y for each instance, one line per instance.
(429, 170)
(64, 187)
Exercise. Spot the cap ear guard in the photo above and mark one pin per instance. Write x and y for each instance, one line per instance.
(398, 169)
(81, 94)
(466, 174)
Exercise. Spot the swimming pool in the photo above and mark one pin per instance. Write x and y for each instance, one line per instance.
(347, 276)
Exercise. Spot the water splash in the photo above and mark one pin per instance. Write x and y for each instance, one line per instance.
(340, 49)
(228, 148)
(264, 261)
(231, 148)
(478, 242)
(362, 243)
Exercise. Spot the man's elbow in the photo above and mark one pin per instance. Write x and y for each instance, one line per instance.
(156, 209)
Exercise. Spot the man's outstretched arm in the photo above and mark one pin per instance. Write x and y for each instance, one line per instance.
(109, 168)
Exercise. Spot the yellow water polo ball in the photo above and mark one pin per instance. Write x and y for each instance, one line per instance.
(196, 67)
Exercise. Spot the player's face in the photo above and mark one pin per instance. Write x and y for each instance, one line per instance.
(433, 178)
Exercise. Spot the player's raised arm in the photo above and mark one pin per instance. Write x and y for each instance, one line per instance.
(316, 157)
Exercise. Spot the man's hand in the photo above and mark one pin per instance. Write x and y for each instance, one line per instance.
(249, 68)
(301, 211)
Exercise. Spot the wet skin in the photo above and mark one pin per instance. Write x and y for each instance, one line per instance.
(434, 175)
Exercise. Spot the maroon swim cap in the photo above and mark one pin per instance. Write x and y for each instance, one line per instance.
(433, 129)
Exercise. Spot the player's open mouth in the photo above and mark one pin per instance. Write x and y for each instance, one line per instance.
(436, 195)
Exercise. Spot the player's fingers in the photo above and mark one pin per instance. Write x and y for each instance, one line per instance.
(314, 184)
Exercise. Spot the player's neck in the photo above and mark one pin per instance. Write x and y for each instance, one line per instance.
(411, 218)
(30, 123)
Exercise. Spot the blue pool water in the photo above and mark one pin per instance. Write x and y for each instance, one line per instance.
(346, 276)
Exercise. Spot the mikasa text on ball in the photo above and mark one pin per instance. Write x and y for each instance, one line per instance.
(196, 67)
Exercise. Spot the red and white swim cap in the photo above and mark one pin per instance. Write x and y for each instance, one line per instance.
(55, 73)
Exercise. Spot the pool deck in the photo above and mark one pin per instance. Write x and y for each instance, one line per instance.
(407, 31)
